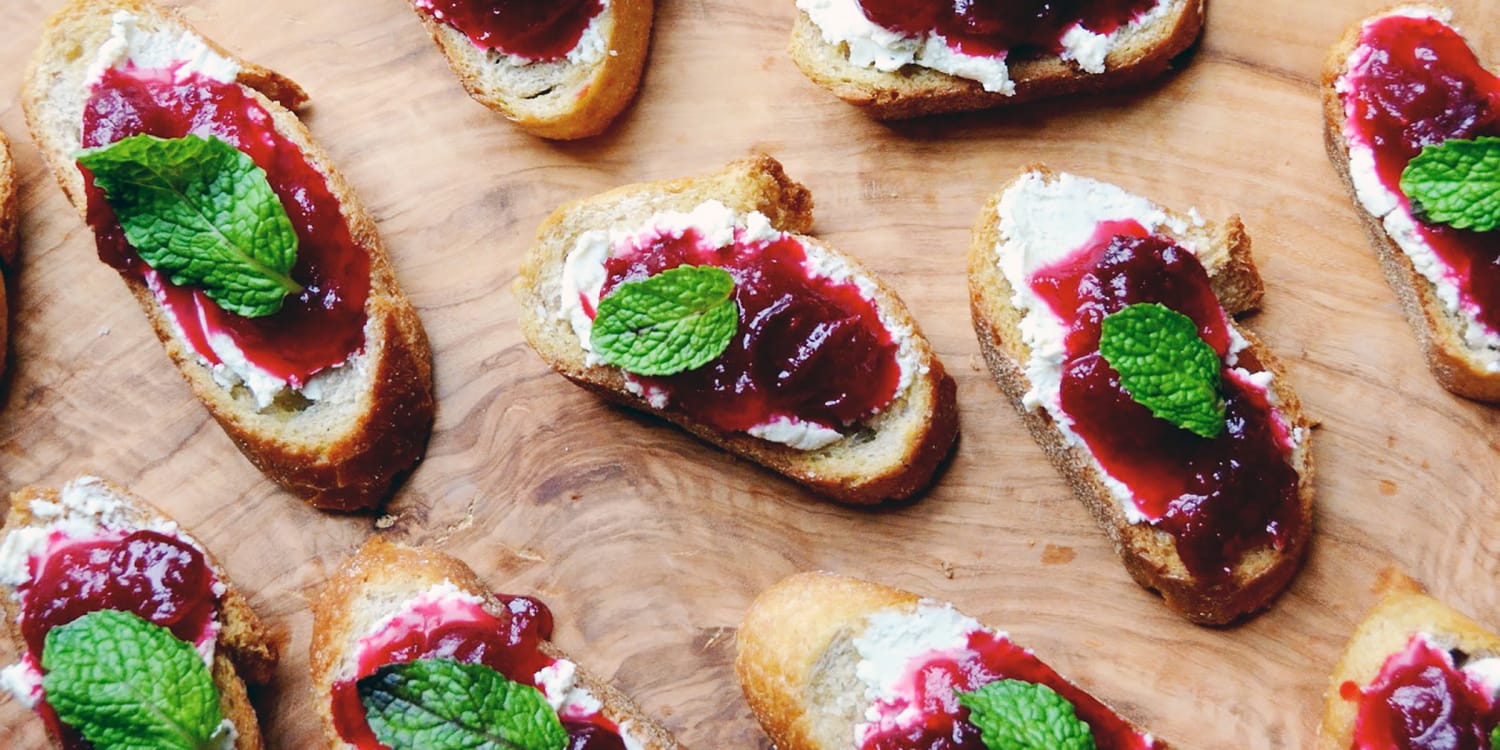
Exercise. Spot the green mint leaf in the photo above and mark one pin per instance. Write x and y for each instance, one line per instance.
(1165, 366)
(1456, 182)
(199, 211)
(677, 320)
(441, 704)
(1019, 715)
(128, 684)
(1495, 739)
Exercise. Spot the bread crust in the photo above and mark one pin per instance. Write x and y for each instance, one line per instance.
(10, 224)
(1439, 332)
(344, 456)
(905, 444)
(376, 582)
(245, 651)
(1149, 554)
(795, 659)
(916, 91)
(557, 100)
(1404, 610)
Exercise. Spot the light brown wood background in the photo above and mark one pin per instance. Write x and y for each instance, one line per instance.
(649, 545)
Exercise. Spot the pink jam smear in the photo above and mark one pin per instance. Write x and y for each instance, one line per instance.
(1218, 497)
(1420, 85)
(537, 29)
(447, 628)
(316, 330)
(992, 28)
(160, 578)
(1422, 701)
(807, 347)
(944, 724)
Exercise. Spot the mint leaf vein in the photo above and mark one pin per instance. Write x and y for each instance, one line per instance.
(204, 214)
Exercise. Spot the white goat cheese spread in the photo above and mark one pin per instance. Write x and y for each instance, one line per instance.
(891, 641)
(871, 45)
(584, 274)
(1042, 222)
(1394, 210)
(85, 508)
(128, 44)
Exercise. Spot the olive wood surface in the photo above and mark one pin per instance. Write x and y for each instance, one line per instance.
(648, 544)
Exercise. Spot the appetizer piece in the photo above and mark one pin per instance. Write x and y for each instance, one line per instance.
(906, 58)
(131, 635)
(411, 652)
(256, 264)
(1106, 320)
(1416, 674)
(560, 69)
(835, 663)
(702, 300)
(1411, 124)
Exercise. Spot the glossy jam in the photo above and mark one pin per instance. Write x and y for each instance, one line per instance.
(945, 725)
(315, 330)
(1420, 84)
(535, 29)
(160, 578)
(806, 347)
(1421, 701)
(1217, 497)
(463, 631)
(993, 27)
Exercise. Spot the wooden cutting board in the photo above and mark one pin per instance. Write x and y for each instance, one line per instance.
(648, 544)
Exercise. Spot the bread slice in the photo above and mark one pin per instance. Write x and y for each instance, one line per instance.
(1404, 610)
(897, 452)
(1150, 554)
(377, 582)
(558, 99)
(244, 652)
(797, 657)
(1137, 55)
(344, 452)
(1455, 364)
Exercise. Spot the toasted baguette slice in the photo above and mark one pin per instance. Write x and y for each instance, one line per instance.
(10, 223)
(244, 651)
(1455, 363)
(797, 657)
(377, 582)
(1404, 610)
(1137, 55)
(559, 99)
(893, 457)
(1150, 554)
(344, 452)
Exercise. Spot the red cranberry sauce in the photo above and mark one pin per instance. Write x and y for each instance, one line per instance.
(1417, 83)
(535, 29)
(1219, 497)
(988, 28)
(445, 627)
(807, 347)
(942, 724)
(1422, 701)
(321, 327)
(162, 579)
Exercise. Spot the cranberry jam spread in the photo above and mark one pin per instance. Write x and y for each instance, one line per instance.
(320, 328)
(811, 347)
(543, 30)
(1218, 497)
(932, 680)
(453, 625)
(1412, 81)
(1421, 700)
(986, 28)
(159, 577)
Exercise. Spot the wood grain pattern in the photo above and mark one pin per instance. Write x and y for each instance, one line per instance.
(649, 545)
